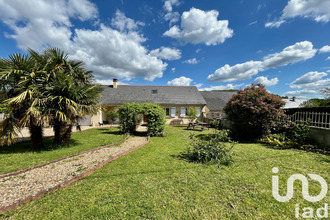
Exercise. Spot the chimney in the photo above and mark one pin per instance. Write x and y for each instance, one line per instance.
(115, 83)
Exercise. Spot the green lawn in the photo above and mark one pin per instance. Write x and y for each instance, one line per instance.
(154, 183)
(20, 156)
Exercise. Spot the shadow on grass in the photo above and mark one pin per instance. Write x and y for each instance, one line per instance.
(26, 147)
(140, 133)
(185, 156)
(325, 160)
(107, 131)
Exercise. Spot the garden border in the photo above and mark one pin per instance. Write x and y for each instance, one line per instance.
(63, 158)
(68, 182)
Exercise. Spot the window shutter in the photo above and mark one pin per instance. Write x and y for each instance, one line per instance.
(183, 112)
(173, 110)
(198, 111)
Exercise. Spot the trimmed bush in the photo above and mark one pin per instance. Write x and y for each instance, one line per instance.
(130, 115)
(127, 116)
(156, 118)
(253, 112)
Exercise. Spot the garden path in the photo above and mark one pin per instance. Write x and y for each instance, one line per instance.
(20, 187)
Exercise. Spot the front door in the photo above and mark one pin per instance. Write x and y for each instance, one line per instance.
(145, 119)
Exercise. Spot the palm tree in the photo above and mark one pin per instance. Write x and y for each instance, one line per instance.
(42, 85)
(20, 77)
(69, 92)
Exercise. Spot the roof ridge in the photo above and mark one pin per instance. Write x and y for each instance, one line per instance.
(153, 86)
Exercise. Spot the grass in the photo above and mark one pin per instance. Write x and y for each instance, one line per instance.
(154, 183)
(20, 156)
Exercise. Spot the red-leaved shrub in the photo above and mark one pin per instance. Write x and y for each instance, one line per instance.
(253, 112)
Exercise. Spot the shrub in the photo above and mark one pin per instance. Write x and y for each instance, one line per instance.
(127, 114)
(297, 135)
(156, 118)
(112, 116)
(212, 148)
(253, 112)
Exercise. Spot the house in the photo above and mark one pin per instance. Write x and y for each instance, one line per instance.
(294, 102)
(215, 103)
(174, 99)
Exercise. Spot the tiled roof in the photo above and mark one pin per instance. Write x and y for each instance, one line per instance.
(171, 95)
(216, 100)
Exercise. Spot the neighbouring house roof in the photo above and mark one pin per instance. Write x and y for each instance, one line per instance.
(294, 103)
(166, 95)
(216, 100)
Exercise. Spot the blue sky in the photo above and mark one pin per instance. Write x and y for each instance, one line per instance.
(211, 44)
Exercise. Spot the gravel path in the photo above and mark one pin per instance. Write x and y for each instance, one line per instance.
(18, 187)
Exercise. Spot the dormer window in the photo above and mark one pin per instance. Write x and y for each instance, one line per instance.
(154, 91)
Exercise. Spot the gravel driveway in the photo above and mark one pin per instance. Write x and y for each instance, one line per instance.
(15, 188)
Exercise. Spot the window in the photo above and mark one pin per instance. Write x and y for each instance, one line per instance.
(154, 91)
(167, 112)
(173, 112)
(198, 111)
(183, 112)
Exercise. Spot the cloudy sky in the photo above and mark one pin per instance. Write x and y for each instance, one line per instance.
(211, 44)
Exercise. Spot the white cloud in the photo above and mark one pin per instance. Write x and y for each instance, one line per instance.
(275, 24)
(109, 82)
(237, 72)
(166, 53)
(171, 16)
(252, 23)
(298, 52)
(311, 80)
(328, 58)
(191, 61)
(302, 92)
(181, 81)
(325, 49)
(222, 87)
(108, 52)
(319, 10)
(198, 85)
(38, 23)
(173, 69)
(111, 53)
(198, 26)
(122, 23)
(265, 81)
